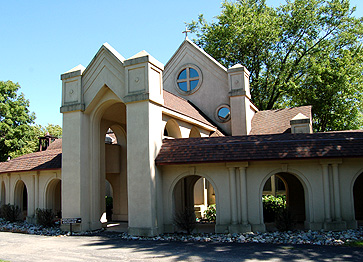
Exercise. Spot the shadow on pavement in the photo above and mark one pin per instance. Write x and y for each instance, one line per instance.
(232, 251)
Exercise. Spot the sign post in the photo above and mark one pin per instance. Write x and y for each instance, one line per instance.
(71, 221)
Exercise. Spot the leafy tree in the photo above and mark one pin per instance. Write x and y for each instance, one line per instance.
(302, 52)
(18, 135)
(15, 120)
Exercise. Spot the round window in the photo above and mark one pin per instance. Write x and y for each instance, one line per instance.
(189, 79)
(223, 113)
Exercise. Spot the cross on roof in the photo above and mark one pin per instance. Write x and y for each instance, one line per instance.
(186, 32)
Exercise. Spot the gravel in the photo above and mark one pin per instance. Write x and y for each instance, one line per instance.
(291, 237)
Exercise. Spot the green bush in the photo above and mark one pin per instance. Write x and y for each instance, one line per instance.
(272, 205)
(45, 217)
(10, 213)
(210, 213)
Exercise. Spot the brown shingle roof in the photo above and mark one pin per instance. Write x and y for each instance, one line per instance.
(276, 121)
(182, 106)
(261, 147)
(48, 159)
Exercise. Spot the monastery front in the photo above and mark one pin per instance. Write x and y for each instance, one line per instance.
(163, 139)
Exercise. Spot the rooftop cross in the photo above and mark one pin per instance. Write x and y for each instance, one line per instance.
(186, 32)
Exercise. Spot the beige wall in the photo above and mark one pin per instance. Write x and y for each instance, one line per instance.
(308, 172)
(42, 190)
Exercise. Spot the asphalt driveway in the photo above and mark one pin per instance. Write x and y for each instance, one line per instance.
(20, 247)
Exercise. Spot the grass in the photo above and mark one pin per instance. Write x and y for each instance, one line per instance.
(355, 244)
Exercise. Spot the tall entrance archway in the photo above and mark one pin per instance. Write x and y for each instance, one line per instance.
(113, 148)
(283, 202)
(358, 199)
(194, 200)
(54, 197)
(21, 198)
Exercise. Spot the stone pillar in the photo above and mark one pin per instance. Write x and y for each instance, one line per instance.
(336, 192)
(233, 195)
(242, 173)
(36, 191)
(31, 207)
(76, 195)
(326, 188)
(144, 139)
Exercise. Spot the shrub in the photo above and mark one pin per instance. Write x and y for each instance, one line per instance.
(272, 205)
(284, 220)
(45, 217)
(185, 220)
(210, 213)
(10, 213)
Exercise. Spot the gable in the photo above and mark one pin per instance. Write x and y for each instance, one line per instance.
(213, 89)
(106, 68)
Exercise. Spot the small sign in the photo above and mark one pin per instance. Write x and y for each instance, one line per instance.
(71, 220)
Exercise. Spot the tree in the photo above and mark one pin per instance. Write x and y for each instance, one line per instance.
(302, 52)
(15, 120)
(18, 134)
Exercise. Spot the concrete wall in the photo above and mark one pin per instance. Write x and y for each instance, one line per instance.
(305, 179)
(42, 187)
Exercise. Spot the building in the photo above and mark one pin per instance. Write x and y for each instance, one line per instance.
(190, 122)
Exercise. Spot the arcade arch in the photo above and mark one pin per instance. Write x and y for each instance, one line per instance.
(54, 197)
(358, 199)
(194, 132)
(2, 197)
(172, 129)
(289, 188)
(21, 198)
(192, 195)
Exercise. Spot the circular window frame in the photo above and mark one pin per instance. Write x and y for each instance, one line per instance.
(200, 79)
(217, 116)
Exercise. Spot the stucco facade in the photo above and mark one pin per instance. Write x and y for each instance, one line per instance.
(190, 100)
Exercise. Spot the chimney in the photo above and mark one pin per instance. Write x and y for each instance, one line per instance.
(301, 124)
(242, 109)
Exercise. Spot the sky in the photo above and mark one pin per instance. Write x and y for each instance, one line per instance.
(40, 40)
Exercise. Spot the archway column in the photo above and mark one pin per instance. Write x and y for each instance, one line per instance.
(243, 181)
(336, 192)
(238, 197)
(332, 206)
(233, 195)
(326, 189)
(144, 139)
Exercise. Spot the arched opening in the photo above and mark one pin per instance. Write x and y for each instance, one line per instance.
(194, 201)
(2, 199)
(283, 200)
(172, 129)
(54, 197)
(21, 198)
(113, 148)
(358, 199)
(109, 200)
(194, 132)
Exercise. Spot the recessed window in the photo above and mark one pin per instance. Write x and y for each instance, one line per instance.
(223, 113)
(189, 79)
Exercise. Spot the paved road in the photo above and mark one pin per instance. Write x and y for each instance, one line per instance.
(20, 247)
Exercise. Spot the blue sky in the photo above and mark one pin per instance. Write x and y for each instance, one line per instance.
(43, 39)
